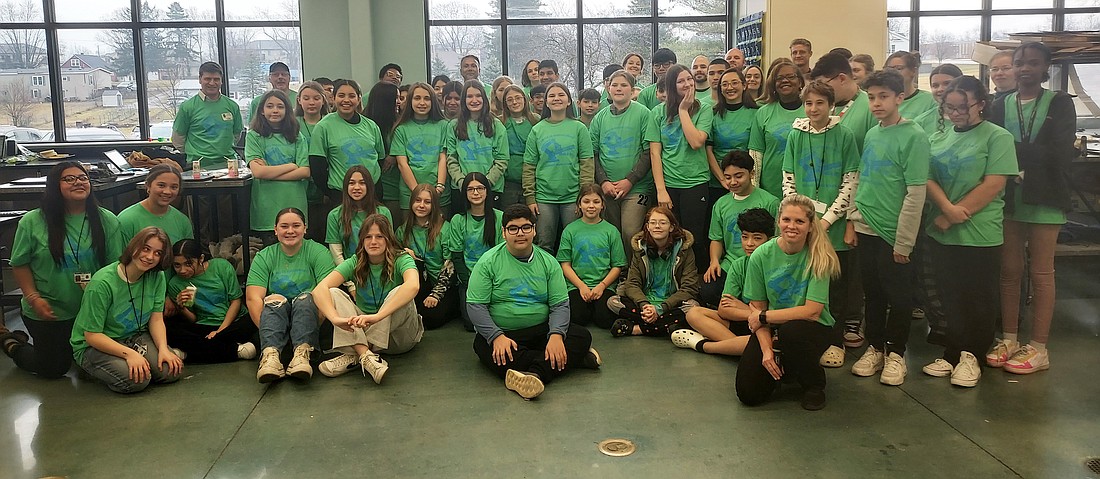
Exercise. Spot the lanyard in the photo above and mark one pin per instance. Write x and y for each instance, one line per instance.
(79, 238)
(133, 307)
(846, 107)
(1025, 134)
(813, 164)
(374, 293)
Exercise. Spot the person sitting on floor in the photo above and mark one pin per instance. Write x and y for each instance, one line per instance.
(519, 306)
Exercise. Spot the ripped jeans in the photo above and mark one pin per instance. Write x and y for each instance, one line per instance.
(298, 317)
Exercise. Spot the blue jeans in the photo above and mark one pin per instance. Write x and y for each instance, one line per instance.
(297, 316)
(113, 370)
(551, 221)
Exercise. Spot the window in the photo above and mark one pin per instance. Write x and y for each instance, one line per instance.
(506, 34)
(103, 81)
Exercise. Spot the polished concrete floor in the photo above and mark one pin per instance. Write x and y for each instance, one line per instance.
(440, 414)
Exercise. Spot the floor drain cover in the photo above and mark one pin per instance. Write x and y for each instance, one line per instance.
(1093, 465)
(617, 447)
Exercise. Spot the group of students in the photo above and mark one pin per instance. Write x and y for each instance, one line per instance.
(820, 198)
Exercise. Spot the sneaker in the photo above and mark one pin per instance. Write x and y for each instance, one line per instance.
(918, 314)
(246, 351)
(374, 365)
(338, 365)
(270, 366)
(527, 385)
(179, 352)
(299, 364)
(967, 372)
(870, 363)
(893, 370)
(686, 338)
(1028, 360)
(622, 327)
(832, 357)
(853, 338)
(939, 368)
(813, 399)
(1001, 351)
(592, 360)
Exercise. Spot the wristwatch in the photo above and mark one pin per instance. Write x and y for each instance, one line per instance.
(764, 317)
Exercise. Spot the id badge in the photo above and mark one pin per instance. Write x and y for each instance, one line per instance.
(820, 207)
(82, 279)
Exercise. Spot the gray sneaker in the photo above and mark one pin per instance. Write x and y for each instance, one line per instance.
(270, 366)
(374, 365)
(299, 366)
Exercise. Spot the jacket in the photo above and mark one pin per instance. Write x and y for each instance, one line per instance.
(685, 275)
(1046, 160)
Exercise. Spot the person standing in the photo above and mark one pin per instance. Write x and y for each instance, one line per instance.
(622, 157)
(470, 68)
(801, 53)
(736, 58)
(663, 59)
(1002, 74)
(279, 76)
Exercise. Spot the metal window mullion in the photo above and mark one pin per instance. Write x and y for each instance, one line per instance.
(144, 121)
(580, 47)
(219, 33)
(503, 26)
(53, 57)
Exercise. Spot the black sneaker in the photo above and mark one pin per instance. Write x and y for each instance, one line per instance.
(813, 399)
(592, 360)
(622, 327)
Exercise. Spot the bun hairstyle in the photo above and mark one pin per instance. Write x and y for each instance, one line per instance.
(911, 59)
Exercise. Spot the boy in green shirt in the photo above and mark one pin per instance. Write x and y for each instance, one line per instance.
(851, 106)
(519, 305)
(893, 176)
(663, 58)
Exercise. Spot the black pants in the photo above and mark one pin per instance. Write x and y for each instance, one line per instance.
(442, 312)
(191, 338)
(663, 326)
(846, 296)
(530, 353)
(690, 207)
(968, 279)
(50, 354)
(596, 313)
(929, 295)
(798, 350)
(710, 294)
(888, 291)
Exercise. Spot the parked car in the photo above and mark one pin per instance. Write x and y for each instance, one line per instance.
(23, 134)
(87, 134)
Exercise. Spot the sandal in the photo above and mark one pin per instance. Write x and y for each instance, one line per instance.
(622, 327)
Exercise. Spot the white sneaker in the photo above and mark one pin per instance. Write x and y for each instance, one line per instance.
(870, 363)
(1001, 352)
(893, 370)
(246, 351)
(686, 338)
(270, 366)
(832, 357)
(374, 365)
(939, 368)
(527, 385)
(1027, 360)
(967, 372)
(338, 365)
(299, 365)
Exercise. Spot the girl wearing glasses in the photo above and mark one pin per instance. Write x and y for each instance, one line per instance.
(662, 281)
(915, 101)
(969, 168)
(56, 249)
(780, 105)
(592, 257)
(357, 203)
(941, 76)
(557, 161)
(472, 233)
(382, 317)
(518, 121)
(476, 142)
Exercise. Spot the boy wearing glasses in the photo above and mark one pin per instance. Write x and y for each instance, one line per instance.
(519, 305)
(851, 108)
(663, 58)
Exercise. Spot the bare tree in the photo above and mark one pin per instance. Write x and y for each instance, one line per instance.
(939, 44)
(16, 102)
(26, 46)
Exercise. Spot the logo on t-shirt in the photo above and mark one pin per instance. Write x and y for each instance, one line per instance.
(227, 116)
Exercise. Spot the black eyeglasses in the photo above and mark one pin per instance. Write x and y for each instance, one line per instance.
(475, 189)
(73, 179)
(515, 230)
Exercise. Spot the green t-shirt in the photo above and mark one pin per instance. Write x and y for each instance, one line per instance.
(217, 287)
(335, 233)
(769, 137)
(782, 280)
(478, 152)
(255, 103)
(894, 158)
(618, 141)
(465, 239)
(346, 145)
(519, 294)
(914, 106)
(290, 276)
(517, 146)
(209, 129)
(555, 150)
(270, 196)
(857, 117)
(723, 221)
(369, 296)
(135, 217)
(660, 283)
(421, 142)
(431, 255)
(592, 250)
(648, 96)
(929, 121)
(684, 166)
(54, 281)
(116, 308)
(959, 163)
(735, 278)
(819, 163)
(730, 132)
(704, 98)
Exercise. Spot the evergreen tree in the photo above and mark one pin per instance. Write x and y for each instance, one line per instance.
(179, 44)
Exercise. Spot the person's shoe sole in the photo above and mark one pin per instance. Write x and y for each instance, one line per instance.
(966, 383)
(1026, 371)
(269, 377)
(526, 385)
(892, 382)
(378, 374)
(302, 373)
(247, 351)
(814, 403)
(935, 372)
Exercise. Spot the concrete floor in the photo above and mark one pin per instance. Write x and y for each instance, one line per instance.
(440, 414)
